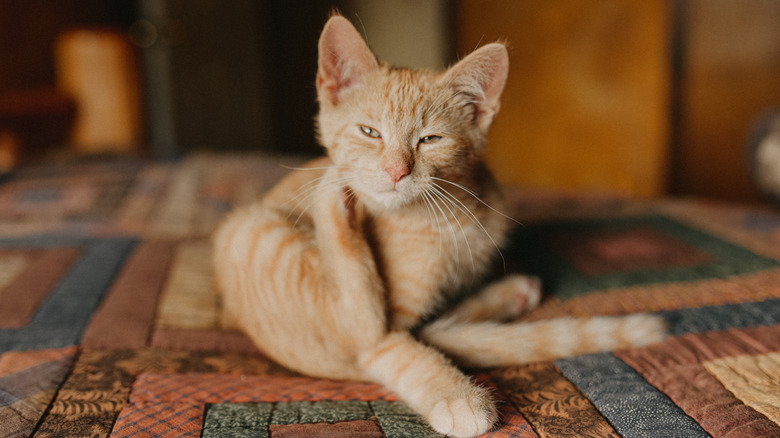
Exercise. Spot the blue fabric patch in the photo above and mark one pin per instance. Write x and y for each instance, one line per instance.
(717, 318)
(63, 316)
(634, 407)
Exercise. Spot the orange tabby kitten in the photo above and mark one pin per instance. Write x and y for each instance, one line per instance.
(331, 269)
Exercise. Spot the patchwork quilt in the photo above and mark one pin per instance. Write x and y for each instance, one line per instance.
(110, 325)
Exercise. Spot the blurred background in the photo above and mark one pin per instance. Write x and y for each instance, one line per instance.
(638, 98)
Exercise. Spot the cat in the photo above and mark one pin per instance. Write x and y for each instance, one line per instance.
(333, 271)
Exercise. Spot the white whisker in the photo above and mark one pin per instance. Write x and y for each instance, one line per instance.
(312, 190)
(304, 191)
(463, 208)
(449, 224)
(476, 196)
(431, 217)
(447, 202)
(303, 168)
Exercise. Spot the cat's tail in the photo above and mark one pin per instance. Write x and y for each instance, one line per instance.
(490, 344)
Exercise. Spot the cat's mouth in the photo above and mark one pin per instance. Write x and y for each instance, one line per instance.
(383, 195)
(392, 198)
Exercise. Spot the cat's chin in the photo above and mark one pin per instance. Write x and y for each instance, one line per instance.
(389, 200)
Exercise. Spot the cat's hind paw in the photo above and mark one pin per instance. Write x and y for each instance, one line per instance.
(524, 291)
(503, 300)
(464, 417)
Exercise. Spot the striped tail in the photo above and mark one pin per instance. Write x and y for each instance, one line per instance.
(491, 344)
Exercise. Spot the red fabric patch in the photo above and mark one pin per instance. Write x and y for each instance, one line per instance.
(674, 367)
(344, 429)
(637, 249)
(30, 288)
(125, 318)
(159, 420)
(224, 388)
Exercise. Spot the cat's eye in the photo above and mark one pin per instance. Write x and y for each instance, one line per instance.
(430, 139)
(370, 132)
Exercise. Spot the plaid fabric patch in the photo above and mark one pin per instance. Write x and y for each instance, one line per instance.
(219, 388)
(159, 420)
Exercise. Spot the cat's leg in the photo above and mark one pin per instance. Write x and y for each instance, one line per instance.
(502, 300)
(347, 263)
(430, 385)
(426, 380)
(490, 344)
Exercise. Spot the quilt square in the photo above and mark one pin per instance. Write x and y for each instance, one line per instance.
(616, 251)
(50, 303)
(578, 257)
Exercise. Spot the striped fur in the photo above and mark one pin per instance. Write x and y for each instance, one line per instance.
(331, 269)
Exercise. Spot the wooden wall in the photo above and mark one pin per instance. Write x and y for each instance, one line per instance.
(729, 73)
(642, 98)
(586, 101)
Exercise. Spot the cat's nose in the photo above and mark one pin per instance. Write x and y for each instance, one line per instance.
(397, 171)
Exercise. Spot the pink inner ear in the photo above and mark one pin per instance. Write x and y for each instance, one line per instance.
(482, 74)
(344, 58)
(495, 84)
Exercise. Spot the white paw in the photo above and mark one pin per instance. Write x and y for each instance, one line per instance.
(517, 294)
(528, 290)
(464, 417)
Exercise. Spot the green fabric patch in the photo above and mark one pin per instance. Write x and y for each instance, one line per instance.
(237, 420)
(398, 421)
(253, 420)
(320, 412)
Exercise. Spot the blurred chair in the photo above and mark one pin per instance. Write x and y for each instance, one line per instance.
(97, 68)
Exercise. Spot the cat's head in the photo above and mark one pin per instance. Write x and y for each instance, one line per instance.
(393, 131)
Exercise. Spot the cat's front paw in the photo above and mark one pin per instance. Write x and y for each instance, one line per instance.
(464, 416)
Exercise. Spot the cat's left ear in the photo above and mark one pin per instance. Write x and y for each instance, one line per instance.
(344, 59)
(482, 76)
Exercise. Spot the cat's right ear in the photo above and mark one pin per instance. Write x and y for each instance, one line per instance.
(344, 58)
(481, 76)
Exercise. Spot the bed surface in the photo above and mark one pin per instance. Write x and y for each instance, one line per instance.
(110, 326)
